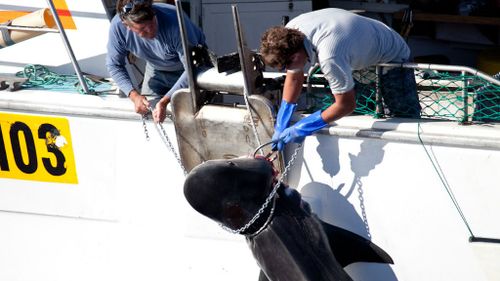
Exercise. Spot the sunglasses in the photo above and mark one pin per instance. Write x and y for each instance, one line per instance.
(130, 6)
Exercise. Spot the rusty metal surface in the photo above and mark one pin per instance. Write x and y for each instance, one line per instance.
(219, 131)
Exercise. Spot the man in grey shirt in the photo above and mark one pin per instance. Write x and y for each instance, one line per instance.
(340, 41)
(151, 32)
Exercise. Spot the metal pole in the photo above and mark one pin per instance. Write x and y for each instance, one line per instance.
(444, 67)
(245, 64)
(379, 109)
(81, 79)
(187, 55)
(244, 56)
(25, 28)
(465, 96)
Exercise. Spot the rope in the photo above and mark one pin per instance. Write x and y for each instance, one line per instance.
(40, 77)
(444, 182)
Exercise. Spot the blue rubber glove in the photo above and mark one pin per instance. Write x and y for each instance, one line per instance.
(282, 121)
(303, 128)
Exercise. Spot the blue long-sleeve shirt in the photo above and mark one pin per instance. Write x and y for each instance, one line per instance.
(163, 52)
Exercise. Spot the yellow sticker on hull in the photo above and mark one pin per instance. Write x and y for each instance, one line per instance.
(37, 148)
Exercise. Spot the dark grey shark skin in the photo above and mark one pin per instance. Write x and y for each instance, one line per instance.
(295, 245)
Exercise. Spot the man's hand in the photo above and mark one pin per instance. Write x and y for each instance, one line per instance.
(282, 121)
(141, 104)
(160, 111)
(300, 130)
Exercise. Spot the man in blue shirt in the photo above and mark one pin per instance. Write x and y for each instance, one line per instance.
(151, 32)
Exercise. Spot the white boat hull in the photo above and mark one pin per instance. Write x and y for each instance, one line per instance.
(123, 216)
(127, 218)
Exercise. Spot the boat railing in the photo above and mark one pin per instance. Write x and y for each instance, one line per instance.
(445, 92)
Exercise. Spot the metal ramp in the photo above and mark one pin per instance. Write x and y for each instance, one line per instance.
(210, 128)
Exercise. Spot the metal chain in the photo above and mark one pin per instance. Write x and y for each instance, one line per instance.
(268, 200)
(170, 146)
(144, 117)
(271, 197)
(165, 139)
(362, 206)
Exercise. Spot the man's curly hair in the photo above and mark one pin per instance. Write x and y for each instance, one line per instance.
(279, 43)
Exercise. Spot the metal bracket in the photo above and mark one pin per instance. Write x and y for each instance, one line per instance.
(219, 131)
(11, 81)
(248, 61)
(188, 55)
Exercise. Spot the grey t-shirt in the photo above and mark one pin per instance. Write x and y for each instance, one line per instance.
(342, 41)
